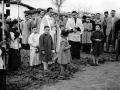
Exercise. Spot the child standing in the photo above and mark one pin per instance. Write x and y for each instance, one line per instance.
(34, 42)
(64, 55)
(97, 39)
(46, 47)
(86, 35)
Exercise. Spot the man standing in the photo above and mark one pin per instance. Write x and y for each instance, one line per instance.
(110, 31)
(105, 22)
(75, 25)
(26, 29)
(39, 19)
(49, 21)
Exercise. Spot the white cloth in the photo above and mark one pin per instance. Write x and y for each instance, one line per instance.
(47, 21)
(71, 24)
(74, 37)
(33, 40)
(1, 61)
(34, 57)
(14, 43)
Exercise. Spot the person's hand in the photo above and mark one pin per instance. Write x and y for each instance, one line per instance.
(98, 40)
(69, 46)
(4, 37)
(43, 52)
(53, 51)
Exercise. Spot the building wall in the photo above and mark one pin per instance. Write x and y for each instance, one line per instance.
(14, 10)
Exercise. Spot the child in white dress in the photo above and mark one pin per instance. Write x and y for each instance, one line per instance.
(34, 42)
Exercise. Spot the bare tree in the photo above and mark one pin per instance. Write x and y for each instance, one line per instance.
(58, 4)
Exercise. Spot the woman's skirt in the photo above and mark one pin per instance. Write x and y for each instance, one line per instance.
(2, 79)
(14, 61)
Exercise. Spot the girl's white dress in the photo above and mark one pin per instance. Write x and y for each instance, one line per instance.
(33, 42)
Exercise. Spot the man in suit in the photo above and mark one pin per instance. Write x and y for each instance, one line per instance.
(110, 31)
(105, 23)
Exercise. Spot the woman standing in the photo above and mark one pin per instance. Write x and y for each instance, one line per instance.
(14, 60)
(86, 35)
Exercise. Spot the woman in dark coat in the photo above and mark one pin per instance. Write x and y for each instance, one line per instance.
(97, 39)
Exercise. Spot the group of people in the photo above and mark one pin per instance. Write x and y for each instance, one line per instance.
(45, 35)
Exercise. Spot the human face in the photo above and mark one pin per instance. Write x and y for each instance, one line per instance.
(35, 30)
(42, 13)
(33, 16)
(50, 12)
(106, 15)
(112, 13)
(87, 20)
(98, 16)
(47, 30)
(26, 18)
(97, 28)
(74, 15)
(69, 15)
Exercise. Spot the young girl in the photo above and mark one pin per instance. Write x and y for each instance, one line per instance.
(97, 39)
(34, 42)
(86, 35)
(64, 55)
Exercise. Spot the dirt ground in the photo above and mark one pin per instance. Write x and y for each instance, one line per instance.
(103, 77)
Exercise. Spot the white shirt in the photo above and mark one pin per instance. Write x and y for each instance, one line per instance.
(33, 40)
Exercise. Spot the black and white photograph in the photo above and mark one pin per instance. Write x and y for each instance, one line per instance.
(59, 44)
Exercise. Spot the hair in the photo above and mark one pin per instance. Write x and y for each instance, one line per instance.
(113, 11)
(46, 27)
(106, 12)
(48, 9)
(97, 13)
(26, 15)
(15, 21)
(64, 33)
(34, 27)
(98, 25)
(74, 12)
(84, 17)
(88, 17)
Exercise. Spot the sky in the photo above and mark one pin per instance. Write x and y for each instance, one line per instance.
(93, 6)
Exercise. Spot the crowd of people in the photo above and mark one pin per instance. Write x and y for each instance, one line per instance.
(45, 34)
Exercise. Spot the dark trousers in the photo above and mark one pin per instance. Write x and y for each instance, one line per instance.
(110, 40)
(2, 79)
(26, 46)
(86, 48)
(14, 60)
(75, 49)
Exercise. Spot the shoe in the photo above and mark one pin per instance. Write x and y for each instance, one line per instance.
(106, 52)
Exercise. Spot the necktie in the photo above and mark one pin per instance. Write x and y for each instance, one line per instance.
(75, 20)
